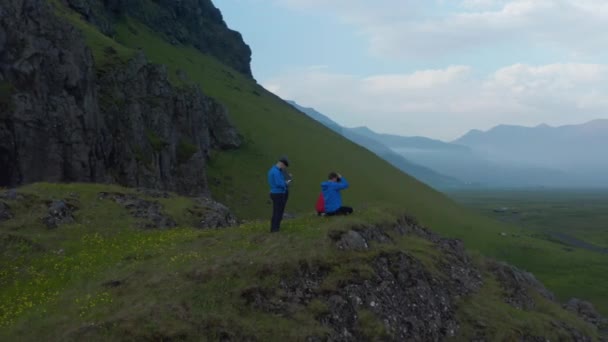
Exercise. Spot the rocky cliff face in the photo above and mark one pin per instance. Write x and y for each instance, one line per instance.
(61, 122)
(191, 22)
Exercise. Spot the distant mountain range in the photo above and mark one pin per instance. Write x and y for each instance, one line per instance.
(579, 150)
(504, 156)
(397, 141)
(366, 138)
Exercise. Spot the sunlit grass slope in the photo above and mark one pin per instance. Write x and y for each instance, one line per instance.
(271, 127)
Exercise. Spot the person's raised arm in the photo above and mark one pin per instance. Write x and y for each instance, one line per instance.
(341, 185)
(344, 183)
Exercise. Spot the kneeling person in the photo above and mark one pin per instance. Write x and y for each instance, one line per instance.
(332, 197)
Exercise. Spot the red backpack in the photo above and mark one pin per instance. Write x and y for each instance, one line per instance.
(320, 206)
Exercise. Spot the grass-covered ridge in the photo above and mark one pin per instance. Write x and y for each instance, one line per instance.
(271, 127)
(101, 278)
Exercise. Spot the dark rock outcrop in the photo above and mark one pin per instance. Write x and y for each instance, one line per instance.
(167, 136)
(150, 213)
(11, 195)
(60, 212)
(516, 285)
(211, 214)
(190, 22)
(408, 300)
(402, 298)
(587, 311)
(60, 122)
(206, 213)
(351, 240)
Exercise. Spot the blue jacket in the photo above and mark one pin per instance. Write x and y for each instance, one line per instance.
(331, 194)
(276, 181)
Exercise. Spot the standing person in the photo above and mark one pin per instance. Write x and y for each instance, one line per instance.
(332, 196)
(278, 192)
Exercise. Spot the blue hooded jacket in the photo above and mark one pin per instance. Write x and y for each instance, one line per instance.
(331, 194)
(276, 181)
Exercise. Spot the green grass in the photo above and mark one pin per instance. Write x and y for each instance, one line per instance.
(106, 51)
(61, 282)
(100, 278)
(271, 128)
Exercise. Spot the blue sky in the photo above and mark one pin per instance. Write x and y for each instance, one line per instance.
(431, 67)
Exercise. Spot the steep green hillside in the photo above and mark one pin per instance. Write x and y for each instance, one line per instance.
(271, 127)
(98, 277)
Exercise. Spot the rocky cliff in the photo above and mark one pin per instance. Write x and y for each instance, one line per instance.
(60, 121)
(191, 22)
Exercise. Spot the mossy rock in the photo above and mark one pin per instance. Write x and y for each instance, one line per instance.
(185, 151)
(157, 143)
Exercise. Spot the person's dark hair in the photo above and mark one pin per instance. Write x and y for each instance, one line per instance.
(284, 160)
(332, 175)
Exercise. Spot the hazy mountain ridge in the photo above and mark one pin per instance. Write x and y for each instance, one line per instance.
(367, 138)
(504, 156)
(322, 118)
(417, 142)
(575, 150)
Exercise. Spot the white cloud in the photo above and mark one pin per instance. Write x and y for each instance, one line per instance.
(525, 62)
(419, 80)
(482, 4)
(410, 28)
(444, 103)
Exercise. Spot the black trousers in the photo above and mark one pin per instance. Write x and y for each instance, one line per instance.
(278, 208)
(341, 211)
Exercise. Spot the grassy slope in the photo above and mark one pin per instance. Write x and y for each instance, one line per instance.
(271, 127)
(187, 283)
